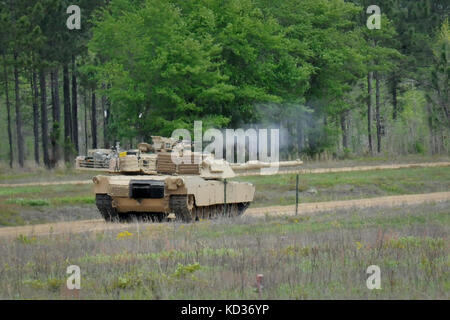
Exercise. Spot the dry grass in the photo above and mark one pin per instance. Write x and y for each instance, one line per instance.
(323, 256)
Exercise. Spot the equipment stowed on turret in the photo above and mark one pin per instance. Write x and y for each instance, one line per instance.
(147, 183)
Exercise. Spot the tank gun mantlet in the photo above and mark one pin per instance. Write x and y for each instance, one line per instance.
(145, 147)
(163, 144)
(211, 168)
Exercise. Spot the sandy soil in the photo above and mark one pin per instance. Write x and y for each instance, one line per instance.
(33, 184)
(303, 208)
(358, 168)
(389, 201)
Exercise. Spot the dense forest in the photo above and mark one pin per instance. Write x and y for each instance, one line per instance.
(138, 68)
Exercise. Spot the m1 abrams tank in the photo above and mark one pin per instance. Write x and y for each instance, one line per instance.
(147, 184)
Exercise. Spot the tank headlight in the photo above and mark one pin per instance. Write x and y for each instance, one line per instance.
(95, 180)
(180, 182)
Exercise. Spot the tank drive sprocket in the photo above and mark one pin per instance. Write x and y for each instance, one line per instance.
(180, 206)
(104, 205)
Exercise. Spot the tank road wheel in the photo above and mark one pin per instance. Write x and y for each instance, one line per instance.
(196, 212)
(205, 213)
(182, 206)
(104, 205)
(159, 217)
(241, 207)
(233, 210)
(214, 213)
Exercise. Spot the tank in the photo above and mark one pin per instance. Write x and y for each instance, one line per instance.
(147, 184)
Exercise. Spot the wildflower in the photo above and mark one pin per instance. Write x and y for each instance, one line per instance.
(124, 234)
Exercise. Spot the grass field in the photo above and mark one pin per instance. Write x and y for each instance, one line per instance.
(280, 190)
(322, 256)
(39, 204)
(317, 256)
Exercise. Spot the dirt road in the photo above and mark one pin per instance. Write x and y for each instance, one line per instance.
(301, 171)
(359, 168)
(389, 201)
(304, 208)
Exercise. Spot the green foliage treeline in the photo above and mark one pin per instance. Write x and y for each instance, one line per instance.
(309, 66)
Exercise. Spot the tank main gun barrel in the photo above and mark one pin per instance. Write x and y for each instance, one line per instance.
(255, 168)
(259, 164)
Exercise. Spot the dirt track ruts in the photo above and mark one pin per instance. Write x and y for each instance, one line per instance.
(301, 171)
(303, 208)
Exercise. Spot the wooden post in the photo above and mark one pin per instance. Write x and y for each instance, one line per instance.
(296, 195)
(259, 286)
(224, 196)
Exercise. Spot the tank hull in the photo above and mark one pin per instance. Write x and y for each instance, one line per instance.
(120, 197)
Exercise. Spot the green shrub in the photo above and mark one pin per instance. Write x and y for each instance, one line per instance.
(26, 240)
(29, 202)
(182, 271)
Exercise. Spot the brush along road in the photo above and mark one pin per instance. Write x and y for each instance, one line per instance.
(303, 208)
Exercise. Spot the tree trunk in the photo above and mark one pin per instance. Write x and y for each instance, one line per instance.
(85, 121)
(344, 128)
(67, 114)
(44, 120)
(56, 113)
(8, 109)
(377, 110)
(394, 98)
(20, 140)
(430, 127)
(94, 120)
(300, 140)
(34, 90)
(369, 111)
(105, 114)
(74, 107)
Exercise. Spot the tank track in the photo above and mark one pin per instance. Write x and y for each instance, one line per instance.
(110, 214)
(179, 205)
(142, 216)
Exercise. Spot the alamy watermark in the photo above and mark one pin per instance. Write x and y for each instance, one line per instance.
(259, 142)
(374, 20)
(374, 280)
(74, 280)
(74, 20)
